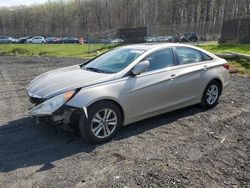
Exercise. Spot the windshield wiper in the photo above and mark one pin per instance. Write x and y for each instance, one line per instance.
(94, 69)
(97, 70)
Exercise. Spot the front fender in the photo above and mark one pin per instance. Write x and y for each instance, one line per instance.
(89, 95)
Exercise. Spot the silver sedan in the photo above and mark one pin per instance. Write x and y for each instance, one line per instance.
(125, 85)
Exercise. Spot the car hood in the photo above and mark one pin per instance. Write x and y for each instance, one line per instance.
(61, 80)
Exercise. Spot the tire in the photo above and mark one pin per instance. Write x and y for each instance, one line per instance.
(94, 128)
(211, 94)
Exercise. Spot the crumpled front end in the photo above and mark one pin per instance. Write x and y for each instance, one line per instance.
(54, 110)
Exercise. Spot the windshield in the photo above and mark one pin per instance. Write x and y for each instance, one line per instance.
(113, 61)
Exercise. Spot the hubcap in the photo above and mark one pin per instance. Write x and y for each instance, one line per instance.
(212, 94)
(104, 123)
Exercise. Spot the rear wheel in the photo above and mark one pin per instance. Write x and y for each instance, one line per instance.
(211, 94)
(103, 122)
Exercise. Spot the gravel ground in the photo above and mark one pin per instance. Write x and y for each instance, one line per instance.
(191, 147)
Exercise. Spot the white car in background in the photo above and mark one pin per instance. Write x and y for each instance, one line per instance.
(36, 40)
(7, 40)
(116, 41)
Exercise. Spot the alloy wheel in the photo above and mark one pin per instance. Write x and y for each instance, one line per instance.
(212, 94)
(104, 123)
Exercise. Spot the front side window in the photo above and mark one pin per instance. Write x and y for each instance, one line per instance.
(113, 61)
(188, 55)
(160, 59)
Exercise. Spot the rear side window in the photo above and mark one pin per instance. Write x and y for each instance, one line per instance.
(206, 57)
(188, 55)
(160, 59)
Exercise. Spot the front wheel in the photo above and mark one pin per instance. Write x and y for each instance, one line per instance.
(103, 122)
(211, 94)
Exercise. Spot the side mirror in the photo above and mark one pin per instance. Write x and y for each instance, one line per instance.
(140, 67)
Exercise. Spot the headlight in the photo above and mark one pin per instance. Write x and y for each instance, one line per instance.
(51, 105)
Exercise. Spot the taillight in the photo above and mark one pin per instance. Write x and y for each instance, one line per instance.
(226, 66)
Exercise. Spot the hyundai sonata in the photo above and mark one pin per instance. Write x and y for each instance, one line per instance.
(127, 84)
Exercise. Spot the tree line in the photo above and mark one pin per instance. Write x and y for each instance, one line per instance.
(102, 17)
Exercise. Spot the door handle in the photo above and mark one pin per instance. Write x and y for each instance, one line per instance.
(205, 67)
(173, 76)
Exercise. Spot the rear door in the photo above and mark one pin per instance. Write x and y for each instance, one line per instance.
(37, 40)
(5, 39)
(34, 40)
(71, 40)
(192, 65)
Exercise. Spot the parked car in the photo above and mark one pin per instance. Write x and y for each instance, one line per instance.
(70, 40)
(58, 40)
(116, 41)
(36, 40)
(105, 41)
(151, 39)
(49, 40)
(189, 37)
(128, 84)
(7, 40)
(171, 39)
(23, 40)
(162, 39)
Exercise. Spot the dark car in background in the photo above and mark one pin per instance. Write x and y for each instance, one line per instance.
(49, 40)
(189, 37)
(23, 40)
(57, 40)
(7, 40)
(70, 40)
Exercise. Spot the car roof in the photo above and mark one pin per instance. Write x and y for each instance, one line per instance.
(155, 46)
(150, 46)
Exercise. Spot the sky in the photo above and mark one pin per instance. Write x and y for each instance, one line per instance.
(9, 3)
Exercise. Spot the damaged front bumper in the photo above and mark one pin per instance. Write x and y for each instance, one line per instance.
(64, 116)
(55, 110)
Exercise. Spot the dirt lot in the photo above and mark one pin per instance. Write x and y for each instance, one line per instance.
(191, 147)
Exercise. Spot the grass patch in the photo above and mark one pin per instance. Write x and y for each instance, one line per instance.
(89, 51)
(57, 50)
(242, 64)
(19, 51)
(223, 48)
(242, 68)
